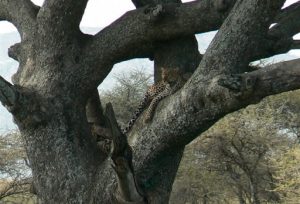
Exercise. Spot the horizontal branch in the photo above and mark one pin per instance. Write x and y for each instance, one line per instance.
(272, 46)
(115, 43)
(22, 13)
(270, 80)
(142, 3)
(135, 33)
(162, 22)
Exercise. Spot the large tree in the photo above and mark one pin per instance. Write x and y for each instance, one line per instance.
(54, 101)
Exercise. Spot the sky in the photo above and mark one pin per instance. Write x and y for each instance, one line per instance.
(100, 13)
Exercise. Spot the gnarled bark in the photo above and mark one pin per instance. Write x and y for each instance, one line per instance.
(60, 69)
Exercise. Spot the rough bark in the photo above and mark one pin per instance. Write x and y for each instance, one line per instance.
(128, 190)
(179, 53)
(60, 69)
(22, 13)
(148, 26)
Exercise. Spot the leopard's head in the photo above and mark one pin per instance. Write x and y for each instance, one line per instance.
(170, 75)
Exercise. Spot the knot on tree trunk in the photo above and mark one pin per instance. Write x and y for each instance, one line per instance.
(26, 108)
(14, 51)
(241, 85)
(157, 13)
(154, 13)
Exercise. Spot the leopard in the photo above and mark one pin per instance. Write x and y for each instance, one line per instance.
(172, 79)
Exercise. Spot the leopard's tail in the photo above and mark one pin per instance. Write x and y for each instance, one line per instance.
(143, 104)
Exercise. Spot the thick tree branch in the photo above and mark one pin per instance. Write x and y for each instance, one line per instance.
(184, 115)
(288, 23)
(145, 32)
(60, 18)
(142, 3)
(181, 52)
(280, 37)
(273, 46)
(290, 10)
(273, 79)
(200, 110)
(146, 27)
(254, 31)
(22, 13)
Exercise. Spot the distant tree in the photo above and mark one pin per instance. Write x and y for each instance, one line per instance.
(15, 175)
(287, 174)
(196, 183)
(55, 103)
(250, 143)
(243, 148)
(128, 92)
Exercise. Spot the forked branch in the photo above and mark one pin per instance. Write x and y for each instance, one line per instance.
(280, 36)
(273, 79)
(64, 15)
(22, 13)
(147, 26)
(202, 101)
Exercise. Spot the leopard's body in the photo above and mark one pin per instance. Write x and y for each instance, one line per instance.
(172, 80)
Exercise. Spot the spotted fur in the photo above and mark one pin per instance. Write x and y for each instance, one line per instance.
(172, 80)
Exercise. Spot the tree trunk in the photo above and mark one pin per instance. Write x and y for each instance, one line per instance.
(181, 53)
(60, 69)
